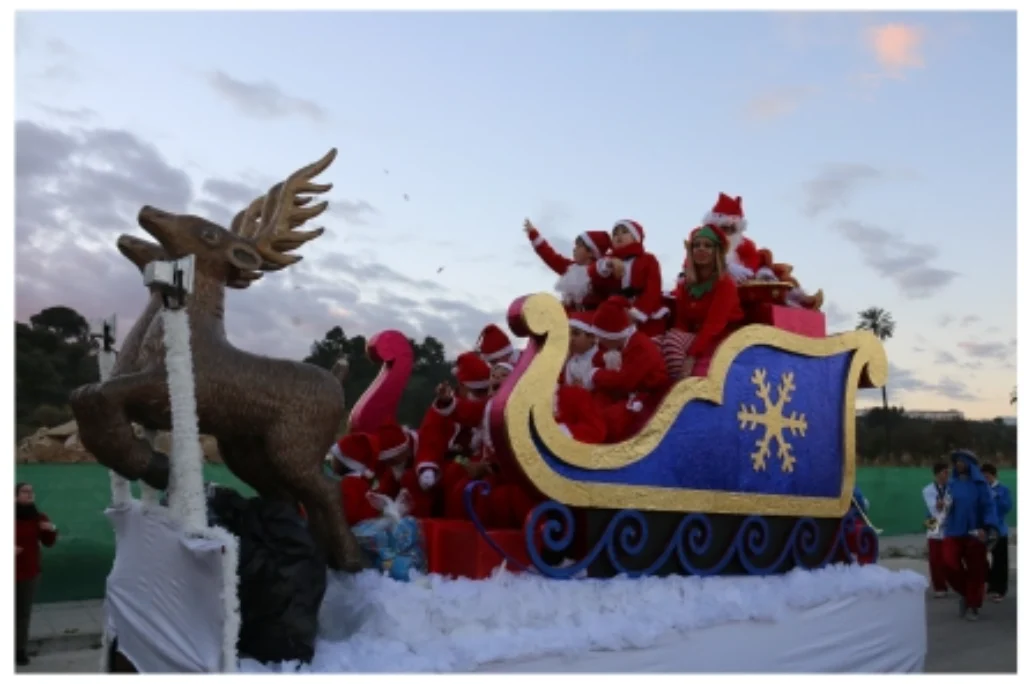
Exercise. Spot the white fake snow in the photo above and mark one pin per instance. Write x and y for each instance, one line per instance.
(369, 623)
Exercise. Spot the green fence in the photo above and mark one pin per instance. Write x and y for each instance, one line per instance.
(74, 496)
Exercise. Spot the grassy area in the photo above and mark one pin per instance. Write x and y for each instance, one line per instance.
(75, 496)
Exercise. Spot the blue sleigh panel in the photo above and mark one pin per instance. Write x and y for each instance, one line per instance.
(769, 431)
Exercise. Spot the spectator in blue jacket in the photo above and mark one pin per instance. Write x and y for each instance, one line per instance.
(971, 522)
(999, 568)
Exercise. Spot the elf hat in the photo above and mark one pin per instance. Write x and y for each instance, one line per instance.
(597, 241)
(472, 372)
(582, 321)
(393, 440)
(359, 452)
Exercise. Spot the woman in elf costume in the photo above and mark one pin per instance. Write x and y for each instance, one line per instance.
(707, 305)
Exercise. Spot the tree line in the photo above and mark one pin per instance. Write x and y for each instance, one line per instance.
(54, 354)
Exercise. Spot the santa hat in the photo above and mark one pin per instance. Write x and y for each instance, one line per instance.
(710, 231)
(727, 212)
(504, 365)
(493, 343)
(612, 321)
(582, 321)
(634, 228)
(393, 439)
(358, 451)
(472, 372)
(597, 241)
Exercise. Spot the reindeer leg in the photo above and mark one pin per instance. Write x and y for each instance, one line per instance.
(241, 458)
(101, 411)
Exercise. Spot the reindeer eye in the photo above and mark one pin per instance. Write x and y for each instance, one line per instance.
(210, 236)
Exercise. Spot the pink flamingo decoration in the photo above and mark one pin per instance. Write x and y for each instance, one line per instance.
(379, 403)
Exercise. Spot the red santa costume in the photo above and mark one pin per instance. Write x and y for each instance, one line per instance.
(493, 346)
(446, 438)
(397, 448)
(706, 311)
(578, 366)
(573, 283)
(358, 452)
(640, 282)
(633, 378)
(743, 259)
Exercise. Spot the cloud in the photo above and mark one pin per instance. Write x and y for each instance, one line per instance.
(833, 186)
(263, 99)
(836, 316)
(774, 104)
(904, 380)
(907, 264)
(896, 48)
(969, 320)
(944, 358)
(1002, 352)
(945, 320)
(76, 191)
(353, 212)
(78, 115)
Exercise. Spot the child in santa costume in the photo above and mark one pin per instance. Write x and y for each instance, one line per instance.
(633, 378)
(494, 346)
(707, 305)
(447, 438)
(574, 281)
(743, 258)
(355, 459)
(395, 469)
(584, 354)
(635, 274)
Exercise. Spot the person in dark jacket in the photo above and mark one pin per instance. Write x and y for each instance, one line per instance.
(31, 529)
(999, 568)
(971, 523)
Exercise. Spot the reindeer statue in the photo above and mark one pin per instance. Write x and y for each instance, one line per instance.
(273, 419)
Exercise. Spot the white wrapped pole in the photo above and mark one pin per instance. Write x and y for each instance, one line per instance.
(185, 486)
(120, 488)
(150, 495)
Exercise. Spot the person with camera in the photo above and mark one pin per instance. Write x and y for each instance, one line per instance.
(971, 524)
(32, 529)
(999, 568)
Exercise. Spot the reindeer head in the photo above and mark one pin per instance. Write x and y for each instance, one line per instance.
(259, 238)
(140, 252)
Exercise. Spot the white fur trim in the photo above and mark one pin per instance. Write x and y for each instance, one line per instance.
(621, 335)
(634, 406)
(574, 284)
(352, 464)
(538, 241)
(495, 355)
(714, 219)
(485, 426)
(187, 497)
(420, 467)
(388, 454)
(565, 428)
(506, 365)
(229, 597)
(613, 360)
(638, 315)
(629, 225)
(765, 273)
(476, 385)
(588, 379)
(590, 244)
(604, 267)
(447, 411)
(580, 325)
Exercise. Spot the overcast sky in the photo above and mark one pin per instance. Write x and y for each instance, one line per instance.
(875, 152)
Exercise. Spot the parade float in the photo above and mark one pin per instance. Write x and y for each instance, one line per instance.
(728, 519)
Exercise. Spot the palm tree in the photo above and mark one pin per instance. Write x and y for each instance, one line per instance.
(880, 323)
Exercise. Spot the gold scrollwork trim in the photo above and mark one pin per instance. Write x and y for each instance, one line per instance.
(532, 401)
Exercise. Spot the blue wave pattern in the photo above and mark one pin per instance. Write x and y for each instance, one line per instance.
(706, 448)
(627, 533)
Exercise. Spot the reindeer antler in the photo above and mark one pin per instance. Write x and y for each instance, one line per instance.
(246, 222)
(281, 211)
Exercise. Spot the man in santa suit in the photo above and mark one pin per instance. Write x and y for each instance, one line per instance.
(584, 354)
(395, 469)
(494, 346)
(634, 273)
(446, 439)
(744, 260)
(633, 378)
(574, 282)
(355, 460)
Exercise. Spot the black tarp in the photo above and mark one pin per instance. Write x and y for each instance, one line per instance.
(282, 575)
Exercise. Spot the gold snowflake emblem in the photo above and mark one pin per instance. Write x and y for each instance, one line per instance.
(773, 420)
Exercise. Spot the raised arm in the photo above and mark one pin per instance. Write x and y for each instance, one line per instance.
(551, 258)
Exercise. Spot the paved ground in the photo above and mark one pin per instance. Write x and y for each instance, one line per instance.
(67, 635)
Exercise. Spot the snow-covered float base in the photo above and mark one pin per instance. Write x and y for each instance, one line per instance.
(837, 619)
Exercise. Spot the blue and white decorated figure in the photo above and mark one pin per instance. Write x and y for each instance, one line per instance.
(394, 540)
